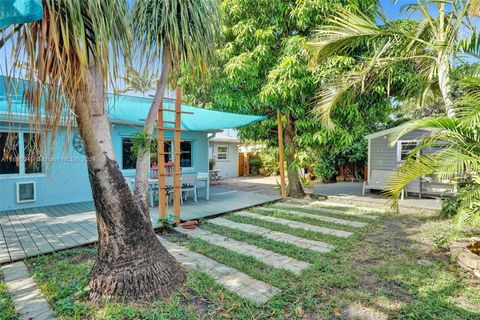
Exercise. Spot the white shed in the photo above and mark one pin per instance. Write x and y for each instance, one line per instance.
(223, 149)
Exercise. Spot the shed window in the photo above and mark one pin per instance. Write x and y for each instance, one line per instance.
(404, 148)
(222, 153)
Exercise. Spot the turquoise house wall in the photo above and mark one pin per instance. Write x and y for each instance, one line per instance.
(65, 178)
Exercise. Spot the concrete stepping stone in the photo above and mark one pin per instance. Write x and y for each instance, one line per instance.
(230, 278)
(265, 256)
(27, 298)
(295, 224)
(316, 206)
(317, 246)
(343, 222)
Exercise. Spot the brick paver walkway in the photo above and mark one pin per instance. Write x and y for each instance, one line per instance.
(265, 256)
(296, 225)
(233, 280)
(27, 298)
(318, 246)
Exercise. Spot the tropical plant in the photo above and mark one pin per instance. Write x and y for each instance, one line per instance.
(262, 68)
(430, 45)
(177, 32)
(451, 151)
(69, 58)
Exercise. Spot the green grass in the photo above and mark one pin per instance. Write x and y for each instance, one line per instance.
(7, 310)
(377, 269)
(324, 212)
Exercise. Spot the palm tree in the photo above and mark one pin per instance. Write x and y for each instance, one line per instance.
(452, 151)
(71, 55)
(430, 45)
(181, 32)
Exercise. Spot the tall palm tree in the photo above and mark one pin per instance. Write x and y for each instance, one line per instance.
(70, 56)
(178, 31)
(431, 45)
(451, 151)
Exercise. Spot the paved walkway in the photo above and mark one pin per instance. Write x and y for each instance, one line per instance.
(296, 225)
(266, 256)
(328, 208)
(27, 298)
(34, 231)
(318, 246)
(233, 280)
(354, 224)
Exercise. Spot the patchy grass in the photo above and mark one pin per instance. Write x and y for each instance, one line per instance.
(390, 269)
(7, 310)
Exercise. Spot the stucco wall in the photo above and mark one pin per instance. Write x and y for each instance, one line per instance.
(65, 178)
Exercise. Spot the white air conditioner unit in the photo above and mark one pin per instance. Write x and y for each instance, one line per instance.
(26, 191)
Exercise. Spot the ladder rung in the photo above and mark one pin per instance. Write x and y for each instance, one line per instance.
(172, 122)
(173, 110)
(172, 129)
(178, 153)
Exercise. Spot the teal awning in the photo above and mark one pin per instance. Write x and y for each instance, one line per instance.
(19, 11)
(133, 111)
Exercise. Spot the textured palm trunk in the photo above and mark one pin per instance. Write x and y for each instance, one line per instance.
(131, 263)
(143, 158)
(295, 188)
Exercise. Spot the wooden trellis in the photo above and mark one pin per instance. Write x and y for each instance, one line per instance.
(162, 188)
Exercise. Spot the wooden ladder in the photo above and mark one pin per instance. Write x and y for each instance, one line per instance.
(161, 128)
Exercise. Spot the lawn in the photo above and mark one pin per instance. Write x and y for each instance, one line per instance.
(393, 268)
(7, 311)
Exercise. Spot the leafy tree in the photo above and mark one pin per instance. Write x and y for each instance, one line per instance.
(431, 45)
(69, 57)
(263, 68)
(178, 31)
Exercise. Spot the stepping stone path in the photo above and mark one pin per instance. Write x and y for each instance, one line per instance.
(265, 256)
(296, 225)
(349, 223)
(231, 279)
(326, 209)
(27, 298)
(314, 245)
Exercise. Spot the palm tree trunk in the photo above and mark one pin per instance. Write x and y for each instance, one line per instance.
(131, 263)
(143, 158)
(295, 188)
(443, 66)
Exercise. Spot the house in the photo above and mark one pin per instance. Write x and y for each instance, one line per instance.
(223, 153)
(383, 159)
(32, 176)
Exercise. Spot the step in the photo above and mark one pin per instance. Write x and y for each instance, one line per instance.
(317, 246)
(27, 298)
(265, 256)
(230, 278)
(354, 224)
(321, 206)
(326, 209)
(295, 224)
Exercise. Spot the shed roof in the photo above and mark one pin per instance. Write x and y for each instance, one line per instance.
(133, 110)
(390, 130)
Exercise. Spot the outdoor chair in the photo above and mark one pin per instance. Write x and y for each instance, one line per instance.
(189, 184)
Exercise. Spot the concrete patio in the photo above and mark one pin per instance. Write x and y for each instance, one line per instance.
(30, 232)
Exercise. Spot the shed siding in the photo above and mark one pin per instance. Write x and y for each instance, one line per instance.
(384, 157)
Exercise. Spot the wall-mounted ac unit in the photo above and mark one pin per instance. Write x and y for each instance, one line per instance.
(26, 191)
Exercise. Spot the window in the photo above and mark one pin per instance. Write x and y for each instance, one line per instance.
(222, 152)
(186, 154)
(9, 153)
(20, 153)
(404, 148)
(129, 160)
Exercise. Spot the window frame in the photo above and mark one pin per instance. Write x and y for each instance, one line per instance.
(399, 148)
(21, 154)
(227, 158)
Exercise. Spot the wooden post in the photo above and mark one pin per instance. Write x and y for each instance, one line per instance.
(281, 156)
(176, 179)
(162, 196)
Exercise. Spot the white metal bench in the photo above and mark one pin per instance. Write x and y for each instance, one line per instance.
(378, 181)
